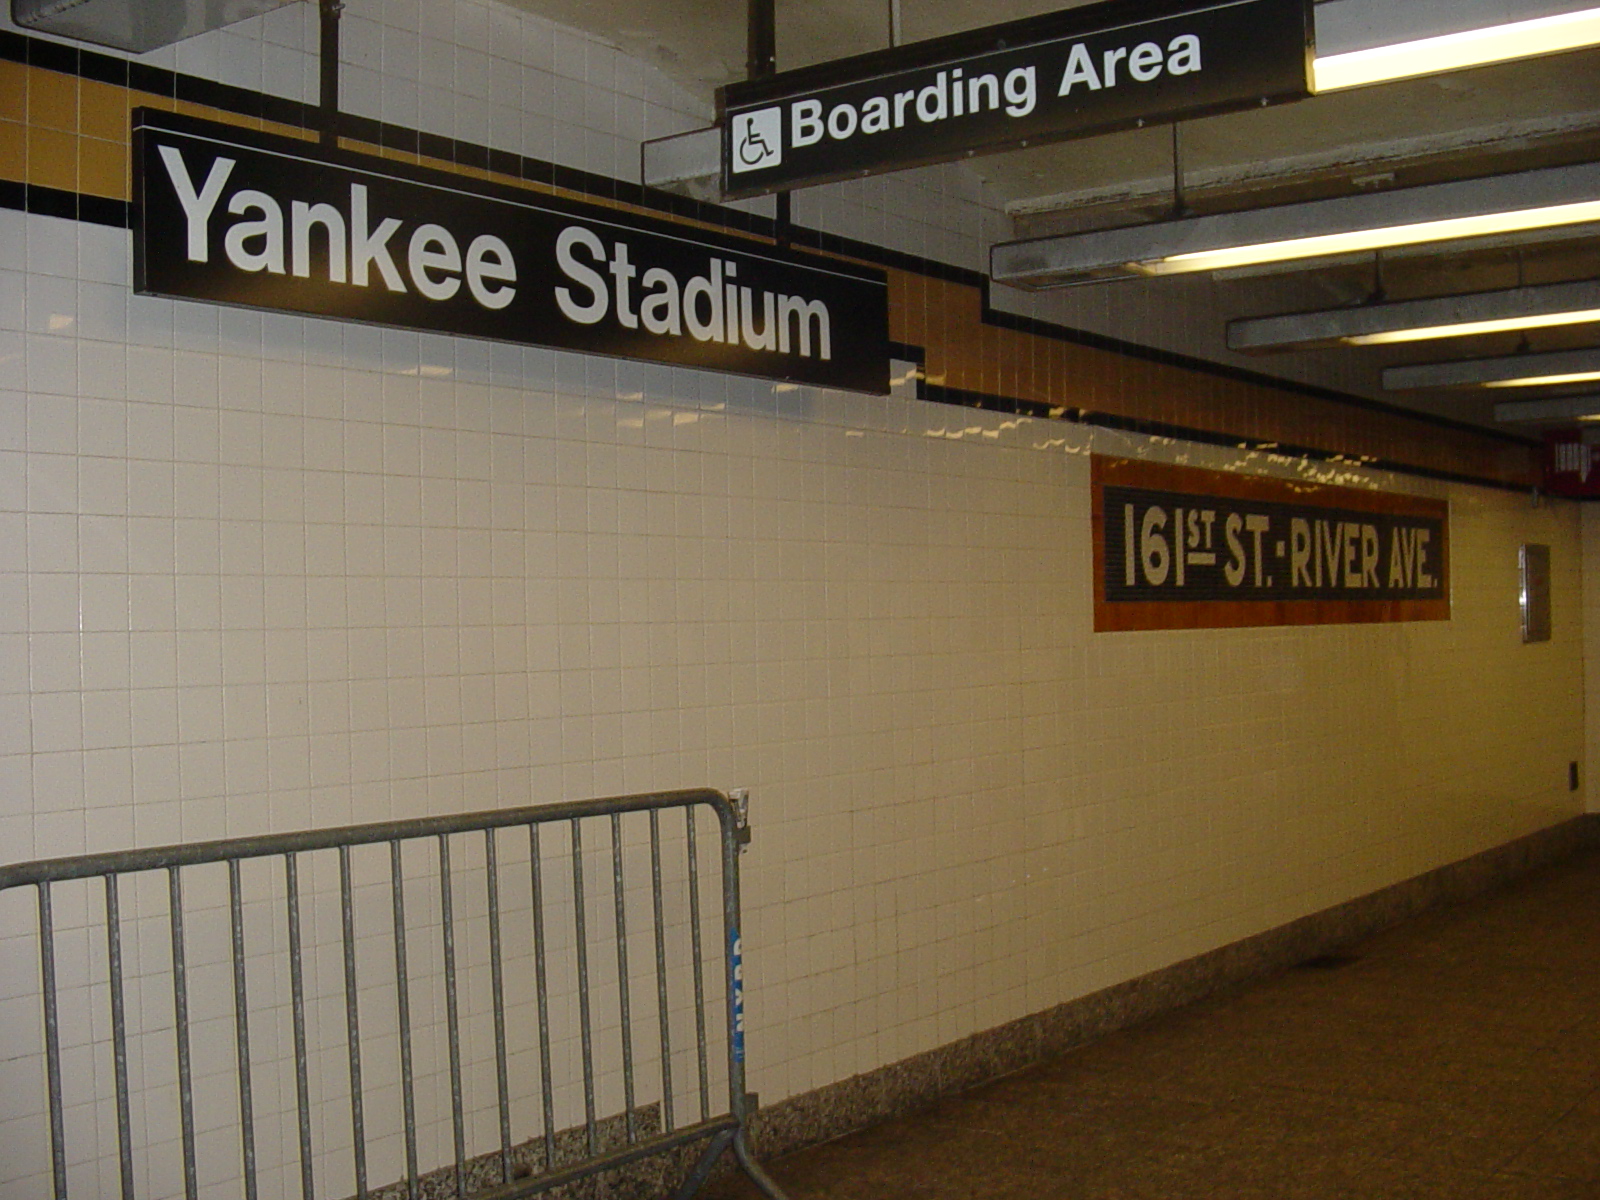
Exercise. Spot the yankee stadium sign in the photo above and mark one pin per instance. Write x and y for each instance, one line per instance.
(232, 216)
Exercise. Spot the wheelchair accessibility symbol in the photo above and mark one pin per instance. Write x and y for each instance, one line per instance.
(757, 140)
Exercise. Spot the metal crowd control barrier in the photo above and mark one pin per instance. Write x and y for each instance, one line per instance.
(453, 1004)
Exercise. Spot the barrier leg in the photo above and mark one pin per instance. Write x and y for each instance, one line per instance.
(702, 1169)
(741, 1151)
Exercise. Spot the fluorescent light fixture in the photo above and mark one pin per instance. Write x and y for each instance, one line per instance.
(1467, 208)
(1422, 320)
(1512, 370)
(1454, 51)
(1563, 408)
(1545, 380)
(1473, 328)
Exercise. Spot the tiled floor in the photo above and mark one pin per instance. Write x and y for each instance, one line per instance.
(1456, 1056)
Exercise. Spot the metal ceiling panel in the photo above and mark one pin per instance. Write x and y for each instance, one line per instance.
(134, 25)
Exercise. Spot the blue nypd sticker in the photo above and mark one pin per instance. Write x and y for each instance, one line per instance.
(736, 968)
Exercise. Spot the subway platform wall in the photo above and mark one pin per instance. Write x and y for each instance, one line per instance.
(263, 572)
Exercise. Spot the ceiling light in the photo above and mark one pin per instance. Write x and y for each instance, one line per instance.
(1500, 204)
(1422, 320)
(1512, 370)
(1545, 380)
(1453, 51)
(1473, 328)
(1563, 408)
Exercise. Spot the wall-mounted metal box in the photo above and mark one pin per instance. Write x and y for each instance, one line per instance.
(136, 25)
(1535, 598)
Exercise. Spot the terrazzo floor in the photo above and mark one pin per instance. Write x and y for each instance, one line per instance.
(1454, 1056)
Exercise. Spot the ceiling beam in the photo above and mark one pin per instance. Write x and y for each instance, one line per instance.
(1421, 320)
(1508, 371)
(1406, 216)
(1564, 408)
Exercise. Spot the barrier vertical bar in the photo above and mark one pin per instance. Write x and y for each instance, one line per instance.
(297, 997)
(624, 1009)
(352, 1016)
(52, 1042)
(119, 1035)
(180, 1019)
(542, 990)
(586, 1029)
(668, 1121)
(241, 1028)
(452, 1018)
(698, 958)
(497, 987)
(403, 1003)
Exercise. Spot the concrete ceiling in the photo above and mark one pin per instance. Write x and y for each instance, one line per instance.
(1487, 120)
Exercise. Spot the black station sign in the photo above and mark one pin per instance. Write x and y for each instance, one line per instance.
(1068, 74)
(236, 217)
(1183, 547)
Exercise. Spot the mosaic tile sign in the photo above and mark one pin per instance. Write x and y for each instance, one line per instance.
(1181, 547)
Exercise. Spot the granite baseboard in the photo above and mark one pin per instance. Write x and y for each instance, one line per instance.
(850, 1104)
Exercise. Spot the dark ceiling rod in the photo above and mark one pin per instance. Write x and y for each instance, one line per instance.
(328, 62)
(762, 60)
(762, 39)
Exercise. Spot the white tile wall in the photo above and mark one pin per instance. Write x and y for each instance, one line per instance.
(259, 572)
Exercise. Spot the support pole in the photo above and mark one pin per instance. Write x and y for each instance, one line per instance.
(761, 40)
(762, 60)
(1180, 203)
(328, 61)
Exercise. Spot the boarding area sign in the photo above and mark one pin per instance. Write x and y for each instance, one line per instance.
(232, 216)
(1184, 548)
(1068, 74)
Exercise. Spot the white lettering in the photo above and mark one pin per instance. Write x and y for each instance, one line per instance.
(709, 288)
(595, 310)
(767, 339)
(1185, 54)
(1299, 552)
(661, 309)
(1144, 64)
(268, 227)
(302, 218)
(622, 273)
(488, 257)
(197, 207)
(1233, 569)
(1257, 524)
(1108, 65)
(1369, 556)
(370, 247)
(804, 313)
(875, 115)
(977, 86)
(433, 248)
(1153, 553)
(1080, 69)
(932, 101)
(1022, 91)
(805, 122)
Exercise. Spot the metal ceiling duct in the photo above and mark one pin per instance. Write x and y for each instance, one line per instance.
(134, 25)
